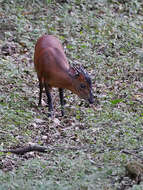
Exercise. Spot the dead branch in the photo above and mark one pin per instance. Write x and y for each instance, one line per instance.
(26, 149)
(38, 148)
(131, 153)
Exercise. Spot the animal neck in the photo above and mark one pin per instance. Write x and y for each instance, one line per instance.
(67, 80)
(62, 79)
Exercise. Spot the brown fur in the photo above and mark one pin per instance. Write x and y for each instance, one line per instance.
(50, 62)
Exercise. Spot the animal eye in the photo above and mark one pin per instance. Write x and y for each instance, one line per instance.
(82, 85)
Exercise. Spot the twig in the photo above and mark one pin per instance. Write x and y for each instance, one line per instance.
(26, 149)
(139, 150)
(34, 147)
(131, 153)
(4, 132)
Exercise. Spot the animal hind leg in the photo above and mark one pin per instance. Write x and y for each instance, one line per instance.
(61, 95)
(40, 92)
(49, 98)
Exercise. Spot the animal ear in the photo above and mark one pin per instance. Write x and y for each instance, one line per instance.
(81, 76)
(81, 73)
(73, 71)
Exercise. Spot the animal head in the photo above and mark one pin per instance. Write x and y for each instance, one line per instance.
(81, 83)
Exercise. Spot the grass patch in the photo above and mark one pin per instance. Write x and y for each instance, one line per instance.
(108, 43)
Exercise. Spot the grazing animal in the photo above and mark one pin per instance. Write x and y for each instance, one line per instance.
(53, 70)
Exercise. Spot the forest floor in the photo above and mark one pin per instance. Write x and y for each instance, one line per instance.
(88, 148)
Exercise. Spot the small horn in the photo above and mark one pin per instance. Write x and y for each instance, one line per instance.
(76, 69)
(83, 70)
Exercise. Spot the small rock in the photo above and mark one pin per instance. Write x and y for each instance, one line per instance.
(39, 120)
(56, 121)
(44, 137)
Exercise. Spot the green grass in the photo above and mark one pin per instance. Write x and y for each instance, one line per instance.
(108, 43)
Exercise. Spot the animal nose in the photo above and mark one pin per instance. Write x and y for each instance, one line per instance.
(91, 101)
(91, 98)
